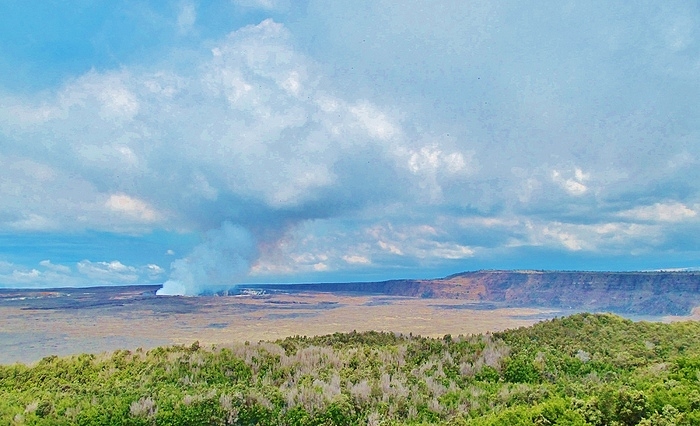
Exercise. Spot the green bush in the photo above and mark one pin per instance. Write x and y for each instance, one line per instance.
(581, 370)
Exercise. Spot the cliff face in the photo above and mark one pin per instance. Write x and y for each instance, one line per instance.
(640, 293)
(644, 293)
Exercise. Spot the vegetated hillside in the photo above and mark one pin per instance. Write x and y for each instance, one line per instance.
(639, 293)
(581, 370)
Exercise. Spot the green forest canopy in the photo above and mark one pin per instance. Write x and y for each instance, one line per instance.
(584, 369)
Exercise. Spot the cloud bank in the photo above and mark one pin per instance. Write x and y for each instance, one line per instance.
(84, 273)
(406, 139)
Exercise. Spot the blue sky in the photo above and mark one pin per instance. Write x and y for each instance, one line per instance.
(202, 144)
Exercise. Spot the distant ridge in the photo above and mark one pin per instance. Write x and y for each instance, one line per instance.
(639, 293)
(634, 292)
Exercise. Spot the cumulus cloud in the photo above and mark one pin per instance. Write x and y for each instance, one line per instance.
(405, 137)
(85, 273)
(613, 238)
(574, 185)
(662, 212)
(55, 267)
(355, 259)
(258, 132)
(267, 146)
(133, 207)
(105, 272)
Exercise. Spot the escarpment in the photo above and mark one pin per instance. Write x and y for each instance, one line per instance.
(637, 293)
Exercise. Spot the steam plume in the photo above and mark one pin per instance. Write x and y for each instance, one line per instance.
(214, 265)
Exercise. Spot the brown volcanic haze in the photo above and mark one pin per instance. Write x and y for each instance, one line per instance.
(66, 321)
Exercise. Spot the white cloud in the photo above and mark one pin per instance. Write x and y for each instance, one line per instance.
(569, 240)
(133, 207)
(435, 168)
(55, 267)
(356, 260)
(108, 272)
(374, 121)
(574, 185)
(23, 277)
(390, 247)
(304, 250)
(118, 102)
(319, 267)
(257, 121)
(154, 271)
(86, 273)
(448, 251)
(432, 160)
(610, 238)
(471, 129)
(292, 84)
(661, 212)
(419, 241)
(33, 222)
(427, 159)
